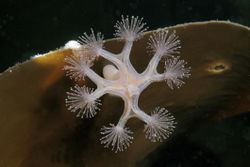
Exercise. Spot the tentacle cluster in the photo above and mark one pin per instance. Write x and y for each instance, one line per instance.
(81, 100)
(92, 41)
(175, 72)
(130, 28)
(76, 65)
(117, 137)
(160, 126)
(164, 43)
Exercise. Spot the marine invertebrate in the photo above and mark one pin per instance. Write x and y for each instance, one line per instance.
(121, 79)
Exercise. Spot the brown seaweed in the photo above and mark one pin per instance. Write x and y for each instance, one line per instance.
(37, 130)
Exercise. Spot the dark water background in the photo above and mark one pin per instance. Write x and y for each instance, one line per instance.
(28, 27)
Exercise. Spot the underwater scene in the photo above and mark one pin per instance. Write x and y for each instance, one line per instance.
(136, 83)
